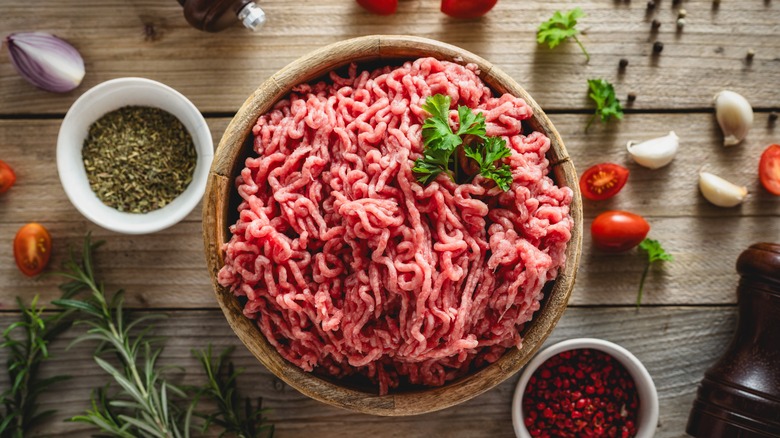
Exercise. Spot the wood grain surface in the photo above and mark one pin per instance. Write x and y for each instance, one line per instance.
(675, 344)
(688, 314)
(152, 39)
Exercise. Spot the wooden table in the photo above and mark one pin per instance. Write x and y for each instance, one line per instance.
(689, 310)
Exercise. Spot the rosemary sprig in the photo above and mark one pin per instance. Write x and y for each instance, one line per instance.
(25, 355)
(145, 404)
(222, 389)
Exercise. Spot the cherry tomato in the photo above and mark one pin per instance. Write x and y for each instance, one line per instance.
(467, 8)
(603, 181)
(380, 7)
(32, 249)
(617, 231)
(7, 177)
(769, 169)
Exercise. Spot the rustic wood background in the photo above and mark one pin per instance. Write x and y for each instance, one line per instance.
(689, 303)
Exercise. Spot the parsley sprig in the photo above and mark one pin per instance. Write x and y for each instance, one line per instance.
(655, 253)
(441, 142)
(561, 27)
(493, 150)
(607, 105)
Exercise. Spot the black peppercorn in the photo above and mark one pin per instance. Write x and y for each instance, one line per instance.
(623, 63)
(658, 47)
(656, 24)
(772, 117)
(631, 97)
(651, 4)
(750, 54)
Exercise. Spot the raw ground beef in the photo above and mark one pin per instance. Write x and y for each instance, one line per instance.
(349, 265)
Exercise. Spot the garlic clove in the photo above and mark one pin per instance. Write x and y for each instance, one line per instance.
(735, 116)
(721, 192)
(46, 61)
(655, 153)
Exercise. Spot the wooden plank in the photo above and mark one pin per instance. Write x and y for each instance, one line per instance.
(167, 269)
(218, 71)
(30, 147)
(675, 344)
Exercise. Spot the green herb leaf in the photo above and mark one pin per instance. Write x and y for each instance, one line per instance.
(561, 27)
(607, 105)
(655, 253)
(436, 131)
(486, 155)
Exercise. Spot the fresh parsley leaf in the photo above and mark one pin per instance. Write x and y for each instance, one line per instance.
(436, 130)
(561, 27)
(471, 123)
(607, 105)
(440, 143)
(486, 155)
(655, 253)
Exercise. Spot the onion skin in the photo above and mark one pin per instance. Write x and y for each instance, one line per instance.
(46, 61)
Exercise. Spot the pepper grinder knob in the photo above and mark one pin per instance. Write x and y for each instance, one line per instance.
(740, 394)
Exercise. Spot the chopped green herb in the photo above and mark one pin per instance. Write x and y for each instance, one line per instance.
(491, 151)
(441, 142)
(607, 105)
(561, 27)
(654, 253)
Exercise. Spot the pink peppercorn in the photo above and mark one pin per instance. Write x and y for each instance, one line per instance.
(581, 393)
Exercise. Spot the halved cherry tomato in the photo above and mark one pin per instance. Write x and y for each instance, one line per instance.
(617, 231)
(380, 7)
(32, 249)
(603, 181)
(7, 177)
(467, 8)
(769, 169)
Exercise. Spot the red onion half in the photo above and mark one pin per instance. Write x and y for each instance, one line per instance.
(48, 62)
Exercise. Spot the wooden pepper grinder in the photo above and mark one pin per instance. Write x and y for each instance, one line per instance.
(217, 15)
(740, 394)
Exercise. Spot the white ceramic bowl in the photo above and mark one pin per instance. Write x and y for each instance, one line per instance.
(109, 96)
(648, 397)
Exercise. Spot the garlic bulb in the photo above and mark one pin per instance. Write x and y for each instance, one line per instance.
(735, 116)
(721, 192)
(655, 153)
(46, 61)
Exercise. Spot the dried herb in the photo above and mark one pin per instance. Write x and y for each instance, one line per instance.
(138, 159)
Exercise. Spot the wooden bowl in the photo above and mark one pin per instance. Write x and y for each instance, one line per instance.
(220, 204)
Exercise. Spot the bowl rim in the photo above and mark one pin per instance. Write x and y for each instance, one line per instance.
(646, 391)
(215, 226)
(124, 222)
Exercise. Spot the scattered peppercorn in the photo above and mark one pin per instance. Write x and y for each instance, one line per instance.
(631, 97)
(656, 24)
(658, 47)
(772, 117)
(676, 2)
(680, 23)
(750, 54)
(623, 63)
(682, 13)
(651, 4)
(579, 393)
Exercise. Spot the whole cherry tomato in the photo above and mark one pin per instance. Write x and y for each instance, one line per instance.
(467, 8)
(617, 231)
(380, 7)
(32, 249)
(603, 181)
(769, 169)
(7, 177)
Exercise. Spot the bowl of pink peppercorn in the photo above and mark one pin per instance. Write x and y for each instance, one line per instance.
(585, 388)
